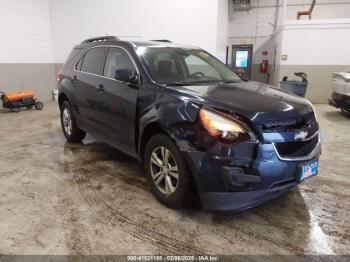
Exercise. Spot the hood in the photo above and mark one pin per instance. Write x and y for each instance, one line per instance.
(256, 101)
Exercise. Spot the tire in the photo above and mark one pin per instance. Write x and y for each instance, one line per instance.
(178, 194)
(69, 125)
(346, 112)
(39, 105)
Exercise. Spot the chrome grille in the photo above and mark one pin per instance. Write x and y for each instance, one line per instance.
(296, 148)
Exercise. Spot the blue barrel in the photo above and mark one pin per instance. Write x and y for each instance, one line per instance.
(294, 87)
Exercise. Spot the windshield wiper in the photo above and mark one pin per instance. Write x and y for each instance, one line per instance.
(181, 83)
(231, 81)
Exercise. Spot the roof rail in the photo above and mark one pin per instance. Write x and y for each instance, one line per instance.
(101, 38)
(162, 40)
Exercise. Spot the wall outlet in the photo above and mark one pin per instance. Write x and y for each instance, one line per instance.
(284, 57)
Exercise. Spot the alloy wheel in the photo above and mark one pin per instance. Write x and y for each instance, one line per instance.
(164, 170)
(67, 121)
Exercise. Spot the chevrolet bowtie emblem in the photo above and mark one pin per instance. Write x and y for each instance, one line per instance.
(301, 135)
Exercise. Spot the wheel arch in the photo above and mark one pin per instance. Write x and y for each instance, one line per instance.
(148, 132)
(61, 98)
(155, 128)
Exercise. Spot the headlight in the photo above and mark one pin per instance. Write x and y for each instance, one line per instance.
(221, 127)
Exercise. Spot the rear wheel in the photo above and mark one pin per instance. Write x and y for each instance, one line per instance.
(69, 125)
(167, 172)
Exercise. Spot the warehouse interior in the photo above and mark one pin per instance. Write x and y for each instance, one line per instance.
(59, 198)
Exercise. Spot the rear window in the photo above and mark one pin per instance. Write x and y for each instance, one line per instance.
(92, 61)
(70, 60)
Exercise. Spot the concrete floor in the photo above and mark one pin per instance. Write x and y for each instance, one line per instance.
(59, 198)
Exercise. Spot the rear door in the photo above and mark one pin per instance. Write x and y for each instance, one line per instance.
(120, 100)
(86, 82)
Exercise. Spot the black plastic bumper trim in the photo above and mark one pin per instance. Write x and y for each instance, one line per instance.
(238, 201)
(240, 177)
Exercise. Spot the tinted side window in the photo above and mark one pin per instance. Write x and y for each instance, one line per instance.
(93, 61)
(74, 54)
(79, 64)
(117, 59)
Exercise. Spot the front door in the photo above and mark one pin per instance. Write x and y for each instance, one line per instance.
(120, 100)
(241, 62)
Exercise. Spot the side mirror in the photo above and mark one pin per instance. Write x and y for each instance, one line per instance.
(127, 76)
(245, 79)
(240, 73)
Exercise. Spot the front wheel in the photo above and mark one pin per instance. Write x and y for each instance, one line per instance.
(69, 125)
(167, 172)
(346, 112)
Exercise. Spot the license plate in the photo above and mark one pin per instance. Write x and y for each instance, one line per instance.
(309, 170)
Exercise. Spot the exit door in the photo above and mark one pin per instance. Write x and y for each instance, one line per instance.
(241, 62)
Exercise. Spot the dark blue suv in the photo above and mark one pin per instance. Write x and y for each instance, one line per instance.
(193, 122)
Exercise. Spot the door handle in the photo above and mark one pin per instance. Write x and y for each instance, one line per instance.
(100, 88)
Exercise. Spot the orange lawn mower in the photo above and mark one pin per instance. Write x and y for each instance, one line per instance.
(16, 100)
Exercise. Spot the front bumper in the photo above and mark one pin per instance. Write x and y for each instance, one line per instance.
(340, 101)
(227, 181)
(226, 201)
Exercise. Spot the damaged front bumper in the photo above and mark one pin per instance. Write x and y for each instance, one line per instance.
(227, 180)
(238, 201)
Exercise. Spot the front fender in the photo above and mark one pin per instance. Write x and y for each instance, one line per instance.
(173, 115)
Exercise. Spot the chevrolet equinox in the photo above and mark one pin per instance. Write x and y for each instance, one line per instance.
(194, 124)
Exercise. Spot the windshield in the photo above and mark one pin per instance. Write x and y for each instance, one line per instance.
(171, 65)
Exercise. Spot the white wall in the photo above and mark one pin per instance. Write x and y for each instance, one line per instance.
(25, 32)
(274, 45)
(26, 55)
(317, 42)
(222, 29)
(318, 48)
(256, 26)
(324, 9)
(191, 22)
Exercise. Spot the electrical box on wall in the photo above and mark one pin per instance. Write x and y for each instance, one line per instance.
(284, 57)
(241, 5)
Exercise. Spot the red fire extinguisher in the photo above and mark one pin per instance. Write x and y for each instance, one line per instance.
(264, 67)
